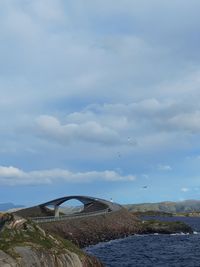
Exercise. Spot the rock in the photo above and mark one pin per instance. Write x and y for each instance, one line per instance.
(91, 230)
(43, 258)
(6, 260)
(25, 244)
(154, 226)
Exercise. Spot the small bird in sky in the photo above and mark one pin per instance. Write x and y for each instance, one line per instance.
(145, 187)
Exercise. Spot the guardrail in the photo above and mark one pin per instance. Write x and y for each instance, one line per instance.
(68, 216)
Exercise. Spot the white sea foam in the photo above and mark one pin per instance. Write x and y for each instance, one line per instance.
(195, 233)
(181, 233)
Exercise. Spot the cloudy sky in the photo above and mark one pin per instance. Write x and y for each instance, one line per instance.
(99, 98)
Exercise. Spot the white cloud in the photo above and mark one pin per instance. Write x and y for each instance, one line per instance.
(10, 172)
(162, 167)
(14, 176)
(184, 189)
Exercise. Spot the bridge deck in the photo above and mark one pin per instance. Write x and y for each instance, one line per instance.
(68, 217)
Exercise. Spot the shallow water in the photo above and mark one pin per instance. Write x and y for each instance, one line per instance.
(152, 250)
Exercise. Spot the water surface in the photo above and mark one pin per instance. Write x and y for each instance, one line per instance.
(152, 250)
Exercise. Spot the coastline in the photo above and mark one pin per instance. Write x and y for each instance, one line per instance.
(89, 231)
(67, 239)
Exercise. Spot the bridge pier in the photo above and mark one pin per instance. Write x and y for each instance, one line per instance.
(56, 211)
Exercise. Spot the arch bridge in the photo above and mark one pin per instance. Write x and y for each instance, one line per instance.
(91, 204)
(51, 210)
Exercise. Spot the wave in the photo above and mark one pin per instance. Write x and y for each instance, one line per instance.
(180, 234)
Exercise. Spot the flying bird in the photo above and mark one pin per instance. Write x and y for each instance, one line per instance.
(131, 141)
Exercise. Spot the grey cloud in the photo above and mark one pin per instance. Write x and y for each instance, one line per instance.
(189, 122)
(47, 10)
(55, 54)
(143, 125)
(89, 131)
(168, 114)
(54, 60)
(137, 60)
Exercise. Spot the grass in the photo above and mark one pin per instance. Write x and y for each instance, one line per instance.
(32, 235)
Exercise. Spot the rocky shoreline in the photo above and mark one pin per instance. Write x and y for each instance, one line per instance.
(24, 243)
(89, 231)
(92, 230)
(155, 226)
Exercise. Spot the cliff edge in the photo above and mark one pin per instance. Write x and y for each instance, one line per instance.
(24, 244)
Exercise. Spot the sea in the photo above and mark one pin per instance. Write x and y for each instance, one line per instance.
(175, 250)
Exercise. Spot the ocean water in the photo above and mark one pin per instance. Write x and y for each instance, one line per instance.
(181, 250)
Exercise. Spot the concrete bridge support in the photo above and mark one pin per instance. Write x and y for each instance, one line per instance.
(56, 210)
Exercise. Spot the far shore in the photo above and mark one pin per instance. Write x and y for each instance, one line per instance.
(165, 214)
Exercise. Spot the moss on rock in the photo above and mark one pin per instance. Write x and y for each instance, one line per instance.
(23, 243)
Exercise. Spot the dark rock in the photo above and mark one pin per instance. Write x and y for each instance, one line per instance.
(92, 230)
(155, 226)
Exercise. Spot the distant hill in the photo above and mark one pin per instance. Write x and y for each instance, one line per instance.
(8, 206)
(168, 206)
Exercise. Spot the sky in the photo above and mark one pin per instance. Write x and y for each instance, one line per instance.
(99, 98)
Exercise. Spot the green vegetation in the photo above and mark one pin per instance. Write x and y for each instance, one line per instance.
(154, 226)
(25, 243)
(151, 213)
(187, 206)
(30, 234)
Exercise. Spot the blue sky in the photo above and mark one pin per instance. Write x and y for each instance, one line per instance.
(99, 98)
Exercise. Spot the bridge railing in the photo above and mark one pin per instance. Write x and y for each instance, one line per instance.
(68, 216)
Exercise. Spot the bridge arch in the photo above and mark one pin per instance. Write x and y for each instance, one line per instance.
(90, 204)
